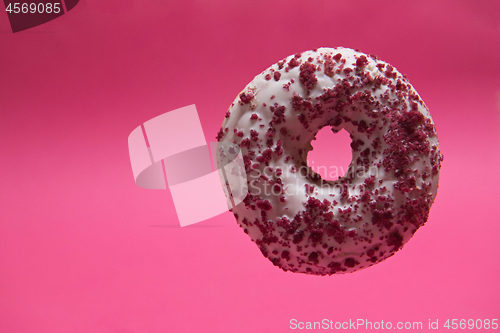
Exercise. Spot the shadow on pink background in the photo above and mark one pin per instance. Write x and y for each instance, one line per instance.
(83, 249)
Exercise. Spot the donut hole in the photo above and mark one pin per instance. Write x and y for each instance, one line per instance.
(331, 154)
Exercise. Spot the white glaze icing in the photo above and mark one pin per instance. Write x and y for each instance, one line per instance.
(392, 208)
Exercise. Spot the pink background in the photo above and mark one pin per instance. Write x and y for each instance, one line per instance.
(83, 249)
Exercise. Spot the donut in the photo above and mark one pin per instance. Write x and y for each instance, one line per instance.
(301, 222)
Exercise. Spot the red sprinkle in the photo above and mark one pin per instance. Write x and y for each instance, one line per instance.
(246, 98)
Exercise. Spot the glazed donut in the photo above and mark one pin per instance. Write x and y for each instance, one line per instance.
(301, 222)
